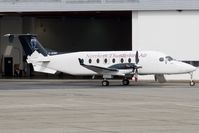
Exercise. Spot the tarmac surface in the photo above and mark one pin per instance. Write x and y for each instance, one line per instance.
(84, 106)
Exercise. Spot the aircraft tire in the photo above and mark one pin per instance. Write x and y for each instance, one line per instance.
(105, 83)
(192, 83)
(125, 82)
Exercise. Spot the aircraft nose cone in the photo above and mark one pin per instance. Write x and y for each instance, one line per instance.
(189, 68)
(192, 68)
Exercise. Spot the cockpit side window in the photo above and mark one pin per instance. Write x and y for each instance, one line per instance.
(161, 59)
(169, 58)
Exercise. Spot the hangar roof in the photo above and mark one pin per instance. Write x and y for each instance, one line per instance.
(95, 5)
(168, 5)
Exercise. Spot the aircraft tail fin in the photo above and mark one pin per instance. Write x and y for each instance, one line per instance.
(37, 55)
(29, 43)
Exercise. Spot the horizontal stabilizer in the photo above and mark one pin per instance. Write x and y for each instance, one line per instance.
(37, 57)
(43, 69)
(40, 63)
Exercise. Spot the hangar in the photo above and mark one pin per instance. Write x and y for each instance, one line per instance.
(170, 26)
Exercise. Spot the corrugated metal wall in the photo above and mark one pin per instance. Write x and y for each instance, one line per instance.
(95, 5)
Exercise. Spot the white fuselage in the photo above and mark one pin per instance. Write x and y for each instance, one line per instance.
(152, 62)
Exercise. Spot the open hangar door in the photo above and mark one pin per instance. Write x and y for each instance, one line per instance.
(66, 32)
(81, 31)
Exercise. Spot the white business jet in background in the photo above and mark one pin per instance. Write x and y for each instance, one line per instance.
(127, 64)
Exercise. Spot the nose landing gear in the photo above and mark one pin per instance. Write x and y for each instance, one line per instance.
(192, 83)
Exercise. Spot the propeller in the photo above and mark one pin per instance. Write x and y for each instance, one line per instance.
(137, 58)
(136, 66)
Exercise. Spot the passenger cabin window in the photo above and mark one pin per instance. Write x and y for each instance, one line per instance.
(105, 60)
(90, 61)
(161, 59)
(97, 60)
(122, 60)
(129, 60)
(113, 60)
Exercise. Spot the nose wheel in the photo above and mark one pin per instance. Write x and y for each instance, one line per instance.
(192, 83)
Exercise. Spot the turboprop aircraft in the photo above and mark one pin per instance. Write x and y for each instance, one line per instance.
(126, 64)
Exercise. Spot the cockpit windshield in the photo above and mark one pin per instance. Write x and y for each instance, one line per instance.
(169, 58)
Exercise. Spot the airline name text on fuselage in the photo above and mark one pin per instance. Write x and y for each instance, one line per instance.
(114, 55)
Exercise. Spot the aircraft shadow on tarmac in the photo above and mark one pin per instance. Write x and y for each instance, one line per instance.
(86, 84)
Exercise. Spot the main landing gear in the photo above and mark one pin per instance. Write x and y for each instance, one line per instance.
(192, 83)
(105, 82)
(125, 82)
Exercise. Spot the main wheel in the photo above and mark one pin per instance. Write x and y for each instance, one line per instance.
(105, 83)
(192, 83)
(125, 82)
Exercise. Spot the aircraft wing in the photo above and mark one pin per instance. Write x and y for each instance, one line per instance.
(97, 69)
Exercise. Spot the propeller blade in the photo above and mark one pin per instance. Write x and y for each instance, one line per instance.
(135, 70)
(136, 57)
(136, 75)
